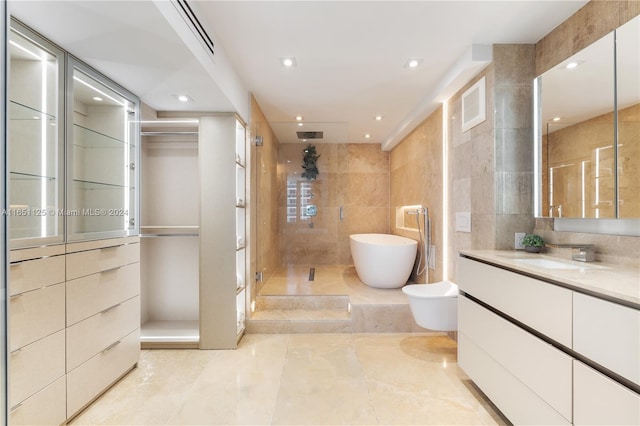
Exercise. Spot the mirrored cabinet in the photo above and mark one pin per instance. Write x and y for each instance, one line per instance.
(35, 139)
(101, 147)
(588, 131)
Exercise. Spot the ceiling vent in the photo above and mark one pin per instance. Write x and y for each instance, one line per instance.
(196, 26)
(310, 135)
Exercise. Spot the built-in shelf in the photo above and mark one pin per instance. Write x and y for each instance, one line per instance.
(88, 138)
(29, 176)
(92, 185)
(156, 334)
(18, 111)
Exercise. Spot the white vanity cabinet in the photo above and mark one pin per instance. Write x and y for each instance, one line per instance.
(547, 354)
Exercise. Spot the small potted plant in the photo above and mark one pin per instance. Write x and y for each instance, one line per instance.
(533, 243)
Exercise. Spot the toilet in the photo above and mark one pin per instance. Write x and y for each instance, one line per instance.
(434, 306)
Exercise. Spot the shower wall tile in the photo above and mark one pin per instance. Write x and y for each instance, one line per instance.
(354, 176)
(416, 179)
(263, 228)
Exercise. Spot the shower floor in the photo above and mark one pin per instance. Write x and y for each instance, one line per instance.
(335, 301)
(293, 280)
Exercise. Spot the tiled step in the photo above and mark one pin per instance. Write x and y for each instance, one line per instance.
(306, 302)
(300, 314)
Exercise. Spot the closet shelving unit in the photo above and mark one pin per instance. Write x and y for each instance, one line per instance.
(193, 230)
(170, 233)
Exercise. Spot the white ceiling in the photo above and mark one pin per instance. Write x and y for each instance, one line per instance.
(350, 54)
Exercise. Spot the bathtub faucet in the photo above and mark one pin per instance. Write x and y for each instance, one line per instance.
(419, 210)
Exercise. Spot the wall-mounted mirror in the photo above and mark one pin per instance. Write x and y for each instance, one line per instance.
(586, 103)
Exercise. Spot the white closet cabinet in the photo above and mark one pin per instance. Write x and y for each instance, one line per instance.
(170, 224)
(37, 336)
(35, 139)
(221, 152)
(74, 310)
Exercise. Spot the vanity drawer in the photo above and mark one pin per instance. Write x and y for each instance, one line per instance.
(538, 365)
(608, 334)
(89, 262)
(87, 338)
(98, 373)
(516, 401)
(94, 293)
(35, 366)
(542, 306)
(598, 400)
(36, 314)
(47, 407)
(34, 274)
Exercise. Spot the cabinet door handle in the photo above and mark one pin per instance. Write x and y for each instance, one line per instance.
(110, 308)
(111, 346)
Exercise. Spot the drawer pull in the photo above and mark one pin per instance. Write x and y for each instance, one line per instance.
(15, 407)
(106, 271)
(111, 346)
(110, 308)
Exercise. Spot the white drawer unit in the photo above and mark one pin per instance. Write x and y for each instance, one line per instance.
(607, 333)
(91, 378)
(520, 297)
(47, 407)
(509, 329)
(35, 366)
(34, 274)
(94, 293)
(545, 370)
(92, 335)
(36, 314)
(519, 403)
(89, 262)
(598, 400)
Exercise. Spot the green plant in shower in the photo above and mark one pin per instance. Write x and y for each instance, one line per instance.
(310, 157)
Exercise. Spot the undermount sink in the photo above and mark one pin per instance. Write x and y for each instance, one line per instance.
(555, 264)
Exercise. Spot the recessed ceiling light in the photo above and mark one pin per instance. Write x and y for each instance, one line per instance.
(183, 98)
(299, 117)
(556, 118)
(304, 140)
(97, 98)
(571, 65)
(288, 62)
(300, 124)
(367, 136)
(413, 63)
(35, 117)
(378, 118)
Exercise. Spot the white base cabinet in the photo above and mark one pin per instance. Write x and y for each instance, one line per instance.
(71, 340)
(519, 338)
(598, 400)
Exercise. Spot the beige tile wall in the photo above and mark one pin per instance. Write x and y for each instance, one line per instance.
(264, 186)
(354, 176)
(416, 179)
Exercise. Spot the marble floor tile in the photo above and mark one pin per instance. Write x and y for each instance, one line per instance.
(300, 379)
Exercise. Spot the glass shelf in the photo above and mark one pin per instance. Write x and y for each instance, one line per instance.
(29, 176)
(20, 112)
(84, 137)
(88, 185)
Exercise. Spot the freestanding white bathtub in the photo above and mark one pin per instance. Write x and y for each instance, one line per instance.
(383, 260)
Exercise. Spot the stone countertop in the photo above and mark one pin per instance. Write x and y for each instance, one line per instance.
(608, 281)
